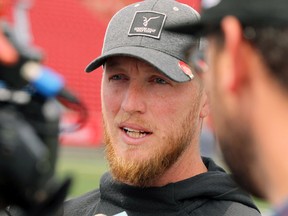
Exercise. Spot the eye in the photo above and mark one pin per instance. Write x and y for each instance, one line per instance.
(159, 80)
(117, 77)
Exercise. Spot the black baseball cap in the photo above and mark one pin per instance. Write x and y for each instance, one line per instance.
(249, 12)
(139, 30)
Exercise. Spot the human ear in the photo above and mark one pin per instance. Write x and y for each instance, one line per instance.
(234, 48)
(205, 109)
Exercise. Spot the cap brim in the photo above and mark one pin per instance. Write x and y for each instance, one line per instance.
(195, 29)
(167, 64)
(207, 24)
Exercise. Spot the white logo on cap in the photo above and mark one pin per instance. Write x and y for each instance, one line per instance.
(146, 21)
(210, 3)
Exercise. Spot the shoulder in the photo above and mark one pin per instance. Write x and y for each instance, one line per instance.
(241, 210)
(225, 208)
(82, 204)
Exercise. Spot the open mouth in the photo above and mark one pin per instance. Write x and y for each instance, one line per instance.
(135, 133)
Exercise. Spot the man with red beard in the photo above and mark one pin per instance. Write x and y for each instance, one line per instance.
(153, 107)
(247, 78)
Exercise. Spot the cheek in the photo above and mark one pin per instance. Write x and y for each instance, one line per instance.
(173, 112)
(166, 106)
(110, 102)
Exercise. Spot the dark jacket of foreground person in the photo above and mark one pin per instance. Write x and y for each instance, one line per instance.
(211, 193)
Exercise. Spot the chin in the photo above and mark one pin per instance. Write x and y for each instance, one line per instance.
(135, 156)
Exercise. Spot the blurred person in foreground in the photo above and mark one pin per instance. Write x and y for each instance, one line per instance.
(247, 76)
(29, 123)
(153, 107)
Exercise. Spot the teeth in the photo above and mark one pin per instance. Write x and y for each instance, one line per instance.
(134, 133)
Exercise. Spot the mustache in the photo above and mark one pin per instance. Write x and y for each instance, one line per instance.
(135, 119)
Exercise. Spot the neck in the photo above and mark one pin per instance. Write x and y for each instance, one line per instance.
(188, 165)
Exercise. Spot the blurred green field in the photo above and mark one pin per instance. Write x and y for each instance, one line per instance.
(84, 165)
(87, 165)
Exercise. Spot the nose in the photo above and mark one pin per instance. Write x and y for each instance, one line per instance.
(134, 100)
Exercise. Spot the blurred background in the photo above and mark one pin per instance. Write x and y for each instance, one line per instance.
(70, 33)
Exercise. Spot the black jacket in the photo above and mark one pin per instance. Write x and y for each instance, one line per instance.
(211, 193)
